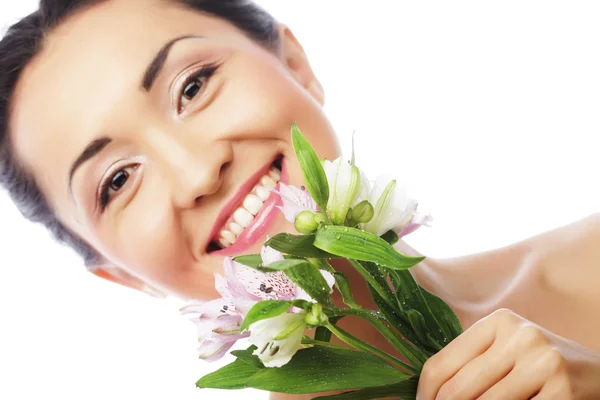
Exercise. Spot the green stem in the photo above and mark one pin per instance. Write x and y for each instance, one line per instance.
(414, 355)
(378, 288)
(308, 341)
(363, 346)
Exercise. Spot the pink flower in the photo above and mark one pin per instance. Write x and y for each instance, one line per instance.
(267, 286)
(418, 220)
(295, 201)
(218, 321)
(218, 327)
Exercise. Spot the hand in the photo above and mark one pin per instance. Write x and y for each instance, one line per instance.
(505, 356)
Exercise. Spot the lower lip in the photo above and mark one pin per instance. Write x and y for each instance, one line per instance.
(260, 224)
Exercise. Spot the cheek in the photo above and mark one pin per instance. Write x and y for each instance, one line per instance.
(145, 237)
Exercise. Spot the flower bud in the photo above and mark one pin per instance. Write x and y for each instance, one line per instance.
(320, 217)
(362, 213)
(316, 317)
(305, 222)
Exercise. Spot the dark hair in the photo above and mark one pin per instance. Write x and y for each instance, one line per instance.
(22, 43)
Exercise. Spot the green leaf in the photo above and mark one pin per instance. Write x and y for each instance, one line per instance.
(285, 264)
(411, 296)
(298, 245)
(253, 261)
(320, 369)
(309, 277)
(398, 322)
(396, 317)
(263, 310)
(418, 324)
(406, 390)
(231, 376)
(376, 279)
(391, 237)
(247, 357)
(314, 174)
(444, 313)
(357, 244)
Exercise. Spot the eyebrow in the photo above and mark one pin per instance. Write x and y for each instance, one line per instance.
(158, 62)
(91, 150)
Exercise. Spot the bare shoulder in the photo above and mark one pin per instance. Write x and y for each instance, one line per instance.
(569, 257)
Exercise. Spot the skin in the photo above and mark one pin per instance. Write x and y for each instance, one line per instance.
(185, 167)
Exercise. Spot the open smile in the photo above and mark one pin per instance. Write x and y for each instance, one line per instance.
(246, 217)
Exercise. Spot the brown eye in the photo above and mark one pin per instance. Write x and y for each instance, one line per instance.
(194, 85)
(112, 185)
(192, 89)
(118, 180)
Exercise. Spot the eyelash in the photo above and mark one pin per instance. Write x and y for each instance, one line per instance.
(205, 72)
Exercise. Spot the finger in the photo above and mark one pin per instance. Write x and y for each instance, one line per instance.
(527, 377)
(480, 374)
(444, 365)
(558, 387)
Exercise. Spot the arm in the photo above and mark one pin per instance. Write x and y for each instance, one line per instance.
(549, 282)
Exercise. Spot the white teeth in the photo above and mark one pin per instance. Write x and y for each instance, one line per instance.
(253, 204)
(236, 228)
(229, 236)
(224, 243)
(243, 217)
(275, 174)
(268, 182)
(262, 193)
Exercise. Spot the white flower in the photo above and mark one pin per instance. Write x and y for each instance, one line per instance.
(394, 209)
(277, 339)
(347, 187)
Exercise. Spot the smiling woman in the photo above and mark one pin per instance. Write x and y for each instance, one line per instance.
(135, 190)
(147, 134)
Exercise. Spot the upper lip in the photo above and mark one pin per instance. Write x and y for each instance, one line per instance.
(237, 199)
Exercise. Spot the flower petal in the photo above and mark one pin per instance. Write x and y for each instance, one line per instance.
(264, 286)
(208, 310)
(269, 255)
(294, 201)
(211, 350)
(272, 349)
(329, 278)
(418, 220)
(347, 187)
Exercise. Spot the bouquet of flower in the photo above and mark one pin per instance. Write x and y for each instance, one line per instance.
(275, 298)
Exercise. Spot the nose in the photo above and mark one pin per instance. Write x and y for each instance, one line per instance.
(196, 175)
(193, 168)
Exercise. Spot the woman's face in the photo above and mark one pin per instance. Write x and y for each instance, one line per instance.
(169, 151)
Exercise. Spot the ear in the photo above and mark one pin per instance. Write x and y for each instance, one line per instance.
(118, 275)
(293, 55)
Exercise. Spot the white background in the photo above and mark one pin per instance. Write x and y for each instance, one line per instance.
(489, 110)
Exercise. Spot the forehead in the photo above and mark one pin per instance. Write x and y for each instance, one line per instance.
(90, 67)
